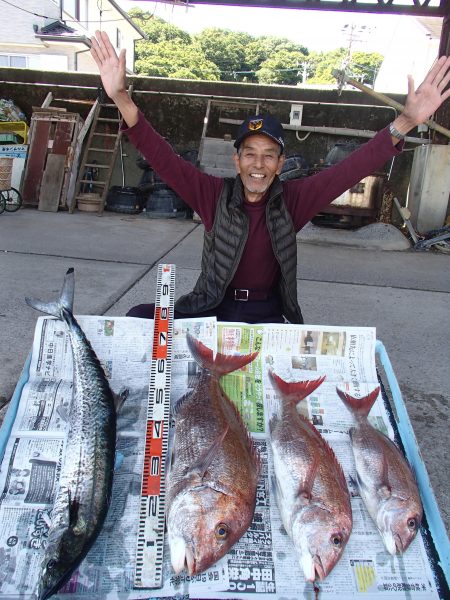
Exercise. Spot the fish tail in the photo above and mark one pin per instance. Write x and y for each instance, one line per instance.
(65, 300)
(296, 390)
(360, 407)
(222, 363)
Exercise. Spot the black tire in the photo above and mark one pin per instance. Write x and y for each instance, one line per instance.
(126, 200)
(2, 202)
(13, 199)
(164, 203)
(293, 174)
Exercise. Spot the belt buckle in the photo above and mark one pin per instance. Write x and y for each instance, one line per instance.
(241, 299)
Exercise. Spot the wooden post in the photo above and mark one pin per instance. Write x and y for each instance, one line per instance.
(443, 113)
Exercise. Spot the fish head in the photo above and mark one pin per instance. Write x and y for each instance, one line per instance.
(53, 573)
(62, 556)
(202, 526)
(398, 522)
(320, 537)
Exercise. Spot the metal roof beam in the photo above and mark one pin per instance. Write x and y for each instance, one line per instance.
(418, 8)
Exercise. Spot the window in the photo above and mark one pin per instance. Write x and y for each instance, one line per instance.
(119, 39)
(17, 61)
(72, 8)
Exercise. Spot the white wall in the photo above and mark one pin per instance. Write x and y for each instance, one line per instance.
(18, 37)
(409, 50)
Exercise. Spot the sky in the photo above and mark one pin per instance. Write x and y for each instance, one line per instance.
(317, 30)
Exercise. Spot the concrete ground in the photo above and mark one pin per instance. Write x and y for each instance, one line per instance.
(365, 278)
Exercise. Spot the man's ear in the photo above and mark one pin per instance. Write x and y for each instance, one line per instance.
(236, 162)
(281, 163)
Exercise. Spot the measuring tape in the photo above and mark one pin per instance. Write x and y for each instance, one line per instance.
(150, 544)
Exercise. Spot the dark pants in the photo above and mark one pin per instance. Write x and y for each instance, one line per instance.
(254, 311)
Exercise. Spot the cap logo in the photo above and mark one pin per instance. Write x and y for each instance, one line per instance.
(255, 125)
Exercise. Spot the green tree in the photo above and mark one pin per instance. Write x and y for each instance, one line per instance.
(157, 30)
(170, 59)
(224, 48)
(324, 63)
(283, 68)
(263, 47)
(364, 66)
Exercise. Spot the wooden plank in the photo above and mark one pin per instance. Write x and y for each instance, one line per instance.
(34, 169)
(70, 195)
(52, 182)
(63, 137)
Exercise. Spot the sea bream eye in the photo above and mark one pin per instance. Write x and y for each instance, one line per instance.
(336, 540)
(412, 523)
(222, 531)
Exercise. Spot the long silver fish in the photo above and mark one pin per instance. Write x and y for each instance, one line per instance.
(385, 480)
(86, 476)
(211, 486)
(311, 490)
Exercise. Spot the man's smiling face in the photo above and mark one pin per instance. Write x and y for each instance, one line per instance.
(257, 161)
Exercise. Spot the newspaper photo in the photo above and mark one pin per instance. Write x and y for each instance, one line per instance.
(262, 564)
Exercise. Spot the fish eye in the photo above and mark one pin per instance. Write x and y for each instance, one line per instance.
(336, 540)
(221, 531)
(412, 523)
(51, 564)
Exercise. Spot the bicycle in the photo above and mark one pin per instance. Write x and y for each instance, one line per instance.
(10, 200)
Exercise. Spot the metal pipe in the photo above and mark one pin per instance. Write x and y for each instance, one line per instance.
(210, 96)
(342, 77)
(330, 130)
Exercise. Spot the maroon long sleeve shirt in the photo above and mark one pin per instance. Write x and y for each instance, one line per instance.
(304, 198)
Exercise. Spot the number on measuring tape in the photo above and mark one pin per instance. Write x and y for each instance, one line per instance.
(150, 543)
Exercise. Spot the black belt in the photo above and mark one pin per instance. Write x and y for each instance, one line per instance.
(241, 295)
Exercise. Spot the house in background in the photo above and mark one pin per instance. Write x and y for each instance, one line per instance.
(53, 35)
(412, 47)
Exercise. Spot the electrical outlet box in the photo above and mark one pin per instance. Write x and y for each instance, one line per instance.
(295, 118)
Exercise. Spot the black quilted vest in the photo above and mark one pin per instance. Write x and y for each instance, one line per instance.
(224, 244)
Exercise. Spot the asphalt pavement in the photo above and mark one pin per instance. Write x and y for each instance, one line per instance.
(369, 277)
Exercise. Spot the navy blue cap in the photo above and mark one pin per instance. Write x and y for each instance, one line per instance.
(265, 124)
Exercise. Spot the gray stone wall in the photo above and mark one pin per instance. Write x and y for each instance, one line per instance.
(177, 109)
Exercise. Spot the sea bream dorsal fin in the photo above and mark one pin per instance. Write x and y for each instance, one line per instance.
(64, 302)
(222, 363)
(359, 407)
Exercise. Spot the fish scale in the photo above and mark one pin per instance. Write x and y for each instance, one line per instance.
(85, 482)
(311, 490)
(211, 487)
(385, 480)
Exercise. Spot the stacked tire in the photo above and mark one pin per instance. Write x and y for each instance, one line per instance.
(161, 202)
(126, 200)
(294, 167)
(164, 203)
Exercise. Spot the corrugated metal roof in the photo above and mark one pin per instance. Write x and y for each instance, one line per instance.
(432, 24)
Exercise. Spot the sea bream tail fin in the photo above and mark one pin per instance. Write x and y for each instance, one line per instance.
(222, 363)
(359, 407)
(65, 300)
(295, 390)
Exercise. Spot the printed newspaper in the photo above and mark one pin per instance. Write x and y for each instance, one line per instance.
(262, 564)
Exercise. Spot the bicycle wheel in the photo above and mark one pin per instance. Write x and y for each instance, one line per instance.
(13, 199)
(2, 202)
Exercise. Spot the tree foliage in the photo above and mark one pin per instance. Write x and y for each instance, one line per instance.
(170, 59)
(362, 66)
(282, 67)
(224, 48)
(221, 54)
